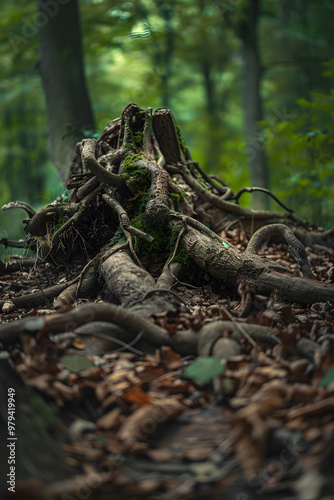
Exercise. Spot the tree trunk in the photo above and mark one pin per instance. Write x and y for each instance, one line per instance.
(165, 57)
(252, 105)
(61, 67)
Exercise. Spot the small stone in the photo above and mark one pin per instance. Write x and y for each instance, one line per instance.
(195, 300)
(8, 307)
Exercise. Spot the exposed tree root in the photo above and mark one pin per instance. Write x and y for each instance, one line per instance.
(36, 299)
(20, 204)
(261, 190)
(15, 265)
(296, 248)
(185, 342)
(124, 199)
(231, 265)
(13, 244)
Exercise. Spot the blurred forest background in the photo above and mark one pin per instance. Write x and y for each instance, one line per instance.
(249, 82)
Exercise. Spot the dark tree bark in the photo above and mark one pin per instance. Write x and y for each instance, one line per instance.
(213, 151)
(64, 84)
(252, 105)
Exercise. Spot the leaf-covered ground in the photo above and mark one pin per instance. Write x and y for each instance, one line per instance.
(136, 424)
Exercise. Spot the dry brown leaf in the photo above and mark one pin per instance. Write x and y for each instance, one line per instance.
(135, 395)
(147, 373)
(42, 382)
(145, 420)
(66, 392)
(109, 420)
(251, 427)
(29, 489)
(108, 401)
(318, 408)
(271, 372)
(170, 359)
(85, 451)
(102, 390)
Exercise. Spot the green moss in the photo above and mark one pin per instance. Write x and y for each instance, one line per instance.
(143, 200)
(137, 174)
(183, 257)
(118, 238)
(180, 139)
(203, 185)
(96, 264)
(182, 254)
(164, 239)
(161, 236)
(130, 165)
(138, 137)
(178, 196)
(137, 204)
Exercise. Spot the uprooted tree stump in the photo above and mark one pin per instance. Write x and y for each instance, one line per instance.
(140, 206)
(143, 217)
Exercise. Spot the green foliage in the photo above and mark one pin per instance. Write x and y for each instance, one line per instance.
(76, 363)
(205, 369)
(328, 379)
(303, 157)
(25, 169)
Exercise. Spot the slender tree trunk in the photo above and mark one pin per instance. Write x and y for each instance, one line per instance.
(166, 12)
(61, 68)
(252, 102)
(207, 69)
(213, 149)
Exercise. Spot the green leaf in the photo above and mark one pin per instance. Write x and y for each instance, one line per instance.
(75, 363)
(327, 379)
(205, 369)
(101, 439)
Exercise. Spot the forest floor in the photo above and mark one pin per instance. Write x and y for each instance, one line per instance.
(135, 424)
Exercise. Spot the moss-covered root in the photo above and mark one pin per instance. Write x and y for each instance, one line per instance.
(90, 164)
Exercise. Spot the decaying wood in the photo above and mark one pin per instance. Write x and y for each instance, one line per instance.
(138, 179)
